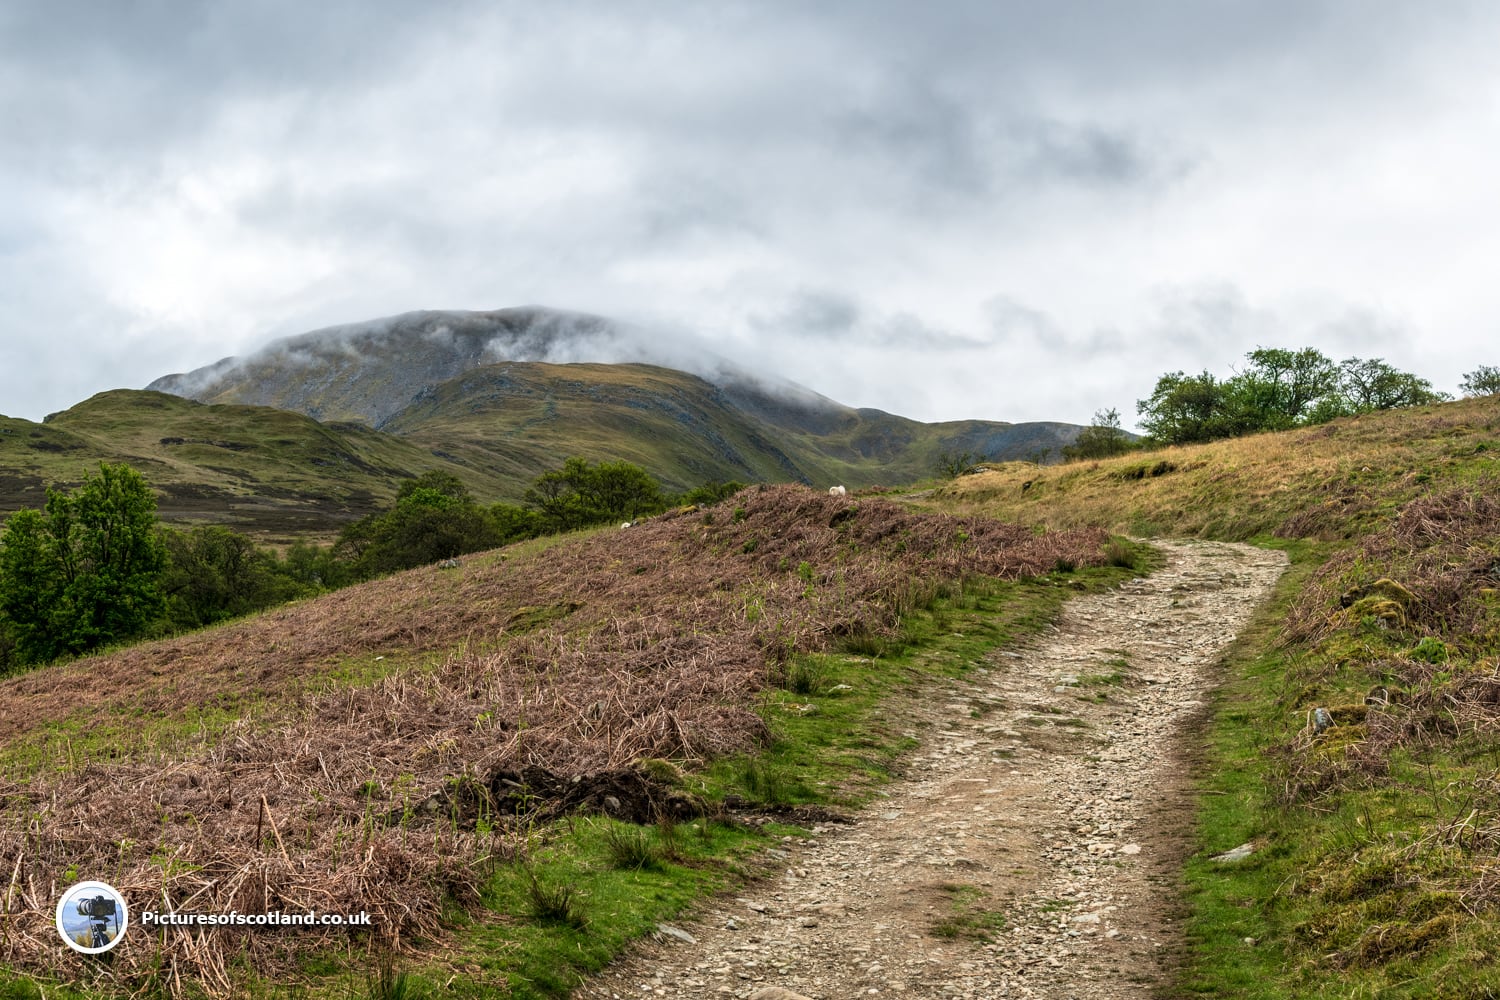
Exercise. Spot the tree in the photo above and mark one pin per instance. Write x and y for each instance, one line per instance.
(1280, 387)
(434, 518)
(84, 571)
(513, 524)
(1277, 390)
(214, 573)
(579, 494)
(437, 481)
(312, 569)
(1482, 381)
(711, 492)
(1184, 409)
(1101, 439)
(952, 464)
(1373, 384)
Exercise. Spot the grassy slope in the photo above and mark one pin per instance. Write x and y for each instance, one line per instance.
(1373, 873)
(782, 564)
(518, 419)
(515, 418)
(1333, 481)
(249, 466)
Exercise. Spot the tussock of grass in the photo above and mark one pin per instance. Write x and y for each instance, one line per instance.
(554, 902)
(631, 847)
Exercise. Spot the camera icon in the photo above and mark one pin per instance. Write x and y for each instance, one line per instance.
(92, 917)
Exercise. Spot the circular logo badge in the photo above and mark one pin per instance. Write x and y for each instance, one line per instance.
(91, 917)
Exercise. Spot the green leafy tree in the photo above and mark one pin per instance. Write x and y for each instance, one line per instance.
(1482, 381)
(214, 573)
(579, 494)
(513, 524)
(1184, 409)
(85, 570)
(312, 569)
(437, 481)
(711, 492)
(952, 464)
(434, 518)
(1372, 384)
(1101, 439)
(1279, 387)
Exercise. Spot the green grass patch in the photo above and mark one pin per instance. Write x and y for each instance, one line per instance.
(967, 915)
(531, 948)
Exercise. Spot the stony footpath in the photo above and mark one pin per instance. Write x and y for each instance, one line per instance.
(1031, 850)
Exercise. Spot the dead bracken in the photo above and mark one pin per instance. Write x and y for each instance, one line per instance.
(394, 797)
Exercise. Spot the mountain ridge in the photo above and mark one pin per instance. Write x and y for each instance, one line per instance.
(457, 380)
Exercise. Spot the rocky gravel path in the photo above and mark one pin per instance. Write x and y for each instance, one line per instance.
(1032, 849)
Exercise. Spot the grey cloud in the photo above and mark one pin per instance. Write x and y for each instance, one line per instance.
(1215, 325)
(912, 122)
(1020, 326)
(821, 314)
(187, 179)
(1362, 330)
(838, 318)
(1093, 154)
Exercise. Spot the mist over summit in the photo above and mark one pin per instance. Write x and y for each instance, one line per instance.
(369, 371)
(511, 392)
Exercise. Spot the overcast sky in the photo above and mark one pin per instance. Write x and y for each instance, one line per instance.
(994, 209)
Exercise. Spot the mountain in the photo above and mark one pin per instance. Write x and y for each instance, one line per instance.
(515, 390)
(372, 370)
(316, 430)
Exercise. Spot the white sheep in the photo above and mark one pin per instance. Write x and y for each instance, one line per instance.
(837, 491)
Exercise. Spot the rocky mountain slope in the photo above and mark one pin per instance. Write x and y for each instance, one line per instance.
(512, 392)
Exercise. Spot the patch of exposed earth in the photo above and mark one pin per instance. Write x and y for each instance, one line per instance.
(1034, 846)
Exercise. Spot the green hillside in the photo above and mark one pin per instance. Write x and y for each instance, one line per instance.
(253, 467)
(497, 427)
(486, 388)
(370, 371)
(514, 419)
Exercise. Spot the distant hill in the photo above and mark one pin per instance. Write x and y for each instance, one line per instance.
(254, 467)
(490, 390)
(316, 430)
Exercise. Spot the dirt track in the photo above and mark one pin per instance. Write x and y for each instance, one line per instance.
(1032, 849)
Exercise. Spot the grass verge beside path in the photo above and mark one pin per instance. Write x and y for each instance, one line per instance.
(1375, 827)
